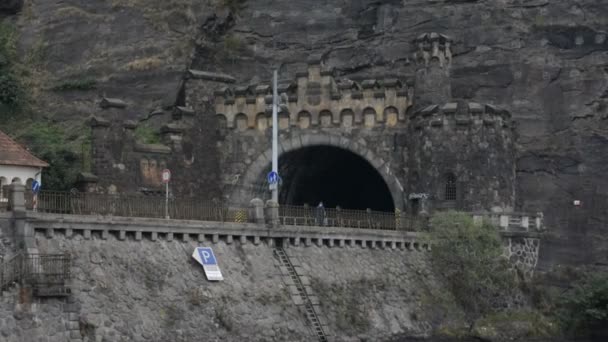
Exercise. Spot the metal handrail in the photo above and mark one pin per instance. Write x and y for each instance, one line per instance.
(136, 205)
(35, 270)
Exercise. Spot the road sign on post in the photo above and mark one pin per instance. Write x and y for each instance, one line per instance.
(205, 257)
(35, 191)
(166, 178)
(273, 180)
(35, 187)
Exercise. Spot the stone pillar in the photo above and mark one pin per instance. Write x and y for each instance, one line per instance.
(24, 233)
(17, 197)
(272, 213)
(256, 210)
(504, 222)
(525, 222)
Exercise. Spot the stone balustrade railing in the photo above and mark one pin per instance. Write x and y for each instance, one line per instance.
(513, 222)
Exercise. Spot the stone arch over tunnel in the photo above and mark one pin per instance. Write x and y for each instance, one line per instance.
(326, 167)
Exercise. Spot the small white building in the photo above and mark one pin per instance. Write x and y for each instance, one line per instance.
(17, 165)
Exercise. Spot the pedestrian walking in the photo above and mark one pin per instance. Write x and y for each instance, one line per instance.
(320, 213)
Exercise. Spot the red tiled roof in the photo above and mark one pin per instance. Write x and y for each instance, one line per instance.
(12, 153)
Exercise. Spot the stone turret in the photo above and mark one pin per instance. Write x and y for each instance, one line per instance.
(433, 59)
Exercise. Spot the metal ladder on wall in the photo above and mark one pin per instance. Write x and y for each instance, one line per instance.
(311, 314)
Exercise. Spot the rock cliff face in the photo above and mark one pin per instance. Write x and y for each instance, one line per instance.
(545, 61)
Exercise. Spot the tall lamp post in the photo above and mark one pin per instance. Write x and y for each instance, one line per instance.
(274, 186)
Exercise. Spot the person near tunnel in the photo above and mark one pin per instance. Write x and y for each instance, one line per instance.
(320, 214)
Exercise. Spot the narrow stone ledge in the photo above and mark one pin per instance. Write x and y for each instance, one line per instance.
(210, 76)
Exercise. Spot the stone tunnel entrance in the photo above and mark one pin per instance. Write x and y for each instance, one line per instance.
(336, 176)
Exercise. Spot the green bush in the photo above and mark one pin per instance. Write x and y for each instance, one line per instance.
(47, 142)
(147, 135)
(584, 307)
(11, 92)
(79, 84)
(468, 257)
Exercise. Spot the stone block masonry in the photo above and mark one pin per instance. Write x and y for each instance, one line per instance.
(152, 290)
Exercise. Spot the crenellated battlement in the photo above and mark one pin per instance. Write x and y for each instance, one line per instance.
(433, 46)
(461, 114)
(316, 99)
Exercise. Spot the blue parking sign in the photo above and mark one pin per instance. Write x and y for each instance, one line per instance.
(207, 256)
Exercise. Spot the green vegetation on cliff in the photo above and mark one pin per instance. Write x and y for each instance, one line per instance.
(46, 139)
(583, 309)
(485, 294)
(468, 256)
(12, 95)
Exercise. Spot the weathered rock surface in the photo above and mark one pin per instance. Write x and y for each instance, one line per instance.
(11, 6)
(545, 61)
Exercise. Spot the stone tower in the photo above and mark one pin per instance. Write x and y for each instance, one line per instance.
(433, 59)
(462, 153)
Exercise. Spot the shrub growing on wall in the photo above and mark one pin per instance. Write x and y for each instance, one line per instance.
(584, 307)
(469, 257)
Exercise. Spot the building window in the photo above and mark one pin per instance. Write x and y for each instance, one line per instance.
(450, 187)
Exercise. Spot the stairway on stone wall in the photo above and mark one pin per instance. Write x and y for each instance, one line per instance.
(292, 280)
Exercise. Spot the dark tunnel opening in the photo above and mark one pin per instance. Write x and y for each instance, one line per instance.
(335, 176)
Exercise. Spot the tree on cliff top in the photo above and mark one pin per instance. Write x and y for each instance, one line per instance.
(469, 257)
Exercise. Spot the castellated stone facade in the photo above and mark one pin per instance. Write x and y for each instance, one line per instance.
(430, 150)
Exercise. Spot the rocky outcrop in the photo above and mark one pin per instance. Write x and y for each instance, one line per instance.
(543, 61)
(11, 6)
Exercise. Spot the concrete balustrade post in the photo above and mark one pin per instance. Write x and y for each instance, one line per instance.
(504, 221)
(272, 213)
(539, 221)
(256, 209)
(525, 222)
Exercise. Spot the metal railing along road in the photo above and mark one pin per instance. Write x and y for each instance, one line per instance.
(335, 217)
(134, 205)
(152, 206)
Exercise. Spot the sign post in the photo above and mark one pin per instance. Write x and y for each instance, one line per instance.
(35, 191)
(275, 138)
(166, 179)
(205, 257)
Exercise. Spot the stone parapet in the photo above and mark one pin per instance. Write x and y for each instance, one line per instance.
(314, 99)
(461, 114)
(154, 229)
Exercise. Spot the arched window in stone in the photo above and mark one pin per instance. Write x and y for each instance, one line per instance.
(325, 118)
(16, 180)
(391, 116)
(261, 122)
(304, 119)
(369, 117)
(240, 122)
(283, 118)
(347, 118)
(222, 123)
(450, 187)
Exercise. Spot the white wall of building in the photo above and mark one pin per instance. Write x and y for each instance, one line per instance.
(23, 173)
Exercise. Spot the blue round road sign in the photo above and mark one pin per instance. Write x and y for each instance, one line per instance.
(273, 177)
(35, 186)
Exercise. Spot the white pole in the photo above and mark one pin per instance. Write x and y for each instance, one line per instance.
(167, 200)
(275, 137)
